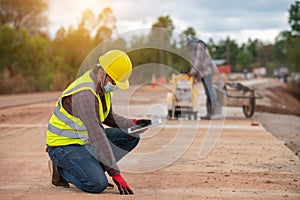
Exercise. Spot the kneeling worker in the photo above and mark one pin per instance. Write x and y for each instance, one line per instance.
(80, 149)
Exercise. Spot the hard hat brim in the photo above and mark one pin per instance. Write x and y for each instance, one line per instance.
(123, 85)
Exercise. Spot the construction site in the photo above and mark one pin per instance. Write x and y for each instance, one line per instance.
(230, 158)
(151, 100)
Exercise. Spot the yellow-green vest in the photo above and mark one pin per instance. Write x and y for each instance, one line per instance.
(65, 129)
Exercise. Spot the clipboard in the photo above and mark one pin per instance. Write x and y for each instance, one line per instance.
(138, 128)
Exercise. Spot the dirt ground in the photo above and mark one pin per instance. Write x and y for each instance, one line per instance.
(279, 98)
(279, 112)
(185, 159)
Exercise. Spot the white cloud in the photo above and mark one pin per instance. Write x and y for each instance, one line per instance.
(215, 19)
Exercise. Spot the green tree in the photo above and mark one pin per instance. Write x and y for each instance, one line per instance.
(164, 22)
(185, 35)
(293, 41)
(28, 14)
(252, 47)
(294, 18)
(74, 45)
(190, 31)
(293, 52)
(160, 35)
(7, 50)
(13, 45)
(243, 59)
(36, 67)
(220, 50)
(280, 48)
(212, 48)
(264, 54)
(232, 50)
(22, 60)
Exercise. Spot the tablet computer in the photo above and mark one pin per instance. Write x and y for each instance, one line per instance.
(138, 128)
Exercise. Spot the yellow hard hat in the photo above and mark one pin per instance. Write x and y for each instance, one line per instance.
(118, 66)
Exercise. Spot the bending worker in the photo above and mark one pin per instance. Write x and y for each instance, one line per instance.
(204, 68)
(80, 149)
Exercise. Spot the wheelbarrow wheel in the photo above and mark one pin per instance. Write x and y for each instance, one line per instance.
(250, 108)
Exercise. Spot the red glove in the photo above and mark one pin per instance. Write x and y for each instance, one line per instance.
(141, 123)
(122, 185)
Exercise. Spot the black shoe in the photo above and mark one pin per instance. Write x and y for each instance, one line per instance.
(206, 117)
(56, 179)
(208, 111)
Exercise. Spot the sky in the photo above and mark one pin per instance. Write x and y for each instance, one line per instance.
(216, 19)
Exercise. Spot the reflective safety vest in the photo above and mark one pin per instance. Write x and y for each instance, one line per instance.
(65, 129)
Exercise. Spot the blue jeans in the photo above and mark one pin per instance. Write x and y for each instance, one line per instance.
(77, 164)
(209, 90)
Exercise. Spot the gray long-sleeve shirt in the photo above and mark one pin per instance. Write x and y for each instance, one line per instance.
(202, 63)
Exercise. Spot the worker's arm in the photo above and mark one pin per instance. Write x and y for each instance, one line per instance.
(202, 63)
(117, 121)
(198, 58)
(86, 107)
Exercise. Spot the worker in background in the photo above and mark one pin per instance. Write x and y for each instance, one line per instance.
(80, 148)
(203, 68)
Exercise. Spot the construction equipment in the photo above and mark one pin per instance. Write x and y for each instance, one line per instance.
(236, 94)
(183, 100)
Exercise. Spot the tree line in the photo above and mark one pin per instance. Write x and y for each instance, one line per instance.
(30, 60)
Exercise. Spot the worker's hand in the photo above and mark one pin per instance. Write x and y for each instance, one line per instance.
(189, 75)
(142, 123)
(122, 185)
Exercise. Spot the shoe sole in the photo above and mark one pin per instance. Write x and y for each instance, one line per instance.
(51, 173)
(50, 164)
(110, 186)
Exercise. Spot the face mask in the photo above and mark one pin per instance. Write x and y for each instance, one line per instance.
(109, 87)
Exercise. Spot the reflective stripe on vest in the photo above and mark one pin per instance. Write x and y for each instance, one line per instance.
(81, 85)
(66, 133)
(63, 128)
(66, 120)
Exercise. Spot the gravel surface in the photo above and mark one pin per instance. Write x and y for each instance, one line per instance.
(284, 127)
(279, 112)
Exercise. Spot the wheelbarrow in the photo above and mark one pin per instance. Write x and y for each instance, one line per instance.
(236, 94)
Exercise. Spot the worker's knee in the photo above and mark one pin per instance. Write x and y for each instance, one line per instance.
(136, 140)
(95, 186)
